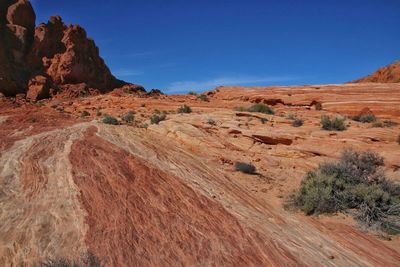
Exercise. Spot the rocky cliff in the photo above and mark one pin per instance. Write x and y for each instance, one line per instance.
(50, 59)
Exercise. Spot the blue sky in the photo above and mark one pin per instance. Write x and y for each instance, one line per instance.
(182, 45)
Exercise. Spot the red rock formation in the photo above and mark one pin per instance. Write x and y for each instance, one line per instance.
(387, 74)
(17, 20)
(64, 55)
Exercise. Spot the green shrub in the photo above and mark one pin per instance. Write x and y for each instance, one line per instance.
(98, 112)
(87, 260)
(203, 98)
(297, 123)
(241, 109)
(356, 182)
(333, 124)
(157, 118)
(85, 114)
(192, 93)
(384, 124)
(291, 116)
(184, 109)
(211, 122)
(368, 118)
(129, 117)
(245, 168)
(318, 106)
(110, 120)
(261, 108)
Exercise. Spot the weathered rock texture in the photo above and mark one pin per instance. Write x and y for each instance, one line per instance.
(169, 195)
(63, 54)
(387, 74)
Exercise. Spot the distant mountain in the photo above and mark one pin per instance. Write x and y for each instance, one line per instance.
(387, 74)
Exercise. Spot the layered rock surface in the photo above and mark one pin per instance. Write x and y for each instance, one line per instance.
(168, 195)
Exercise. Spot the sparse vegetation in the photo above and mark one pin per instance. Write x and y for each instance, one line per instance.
(261, 108)
(203, 98)
(129, 117)
(367, 118)
(192, 93)
(157, 118)
(110, 120)
(85, 114)
(297, 122)
(291, 116)
(384, 124)
(98, 112)
(318, 106)
(355, 183)
(88, 260)
(245, 168)
(211, 122)
(333, 124)
(184, 109)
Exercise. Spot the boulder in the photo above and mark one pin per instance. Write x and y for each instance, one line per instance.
(38, 88)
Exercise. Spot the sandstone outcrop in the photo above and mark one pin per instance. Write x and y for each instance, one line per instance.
(17, 20)
(386, 74)
(168, 194)
(63, 54)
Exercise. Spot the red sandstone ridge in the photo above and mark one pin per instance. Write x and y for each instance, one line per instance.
(387, 74)
(50, 59)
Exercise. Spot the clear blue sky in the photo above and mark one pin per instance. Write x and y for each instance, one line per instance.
(181, 45)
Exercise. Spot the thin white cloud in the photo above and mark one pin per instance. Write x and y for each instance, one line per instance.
(184, 86)
(127, 73)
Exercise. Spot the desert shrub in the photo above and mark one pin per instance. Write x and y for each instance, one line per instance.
(129, 117)
(184, 109)
(211, 122)
(98, 112)
(110, 120)
(356, 182)
(242, 109)
(245, 168)
(384, 124)
(291, 116)
(333, 124)
(203, 98)
(261, 108)
(297, 123)
(318, 106)
(368, 118)
(85, 113)
(157, 118)
(192, 93)
(87, 260)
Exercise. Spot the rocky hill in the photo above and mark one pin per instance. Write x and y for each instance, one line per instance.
(387, 74)
(50, 59)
